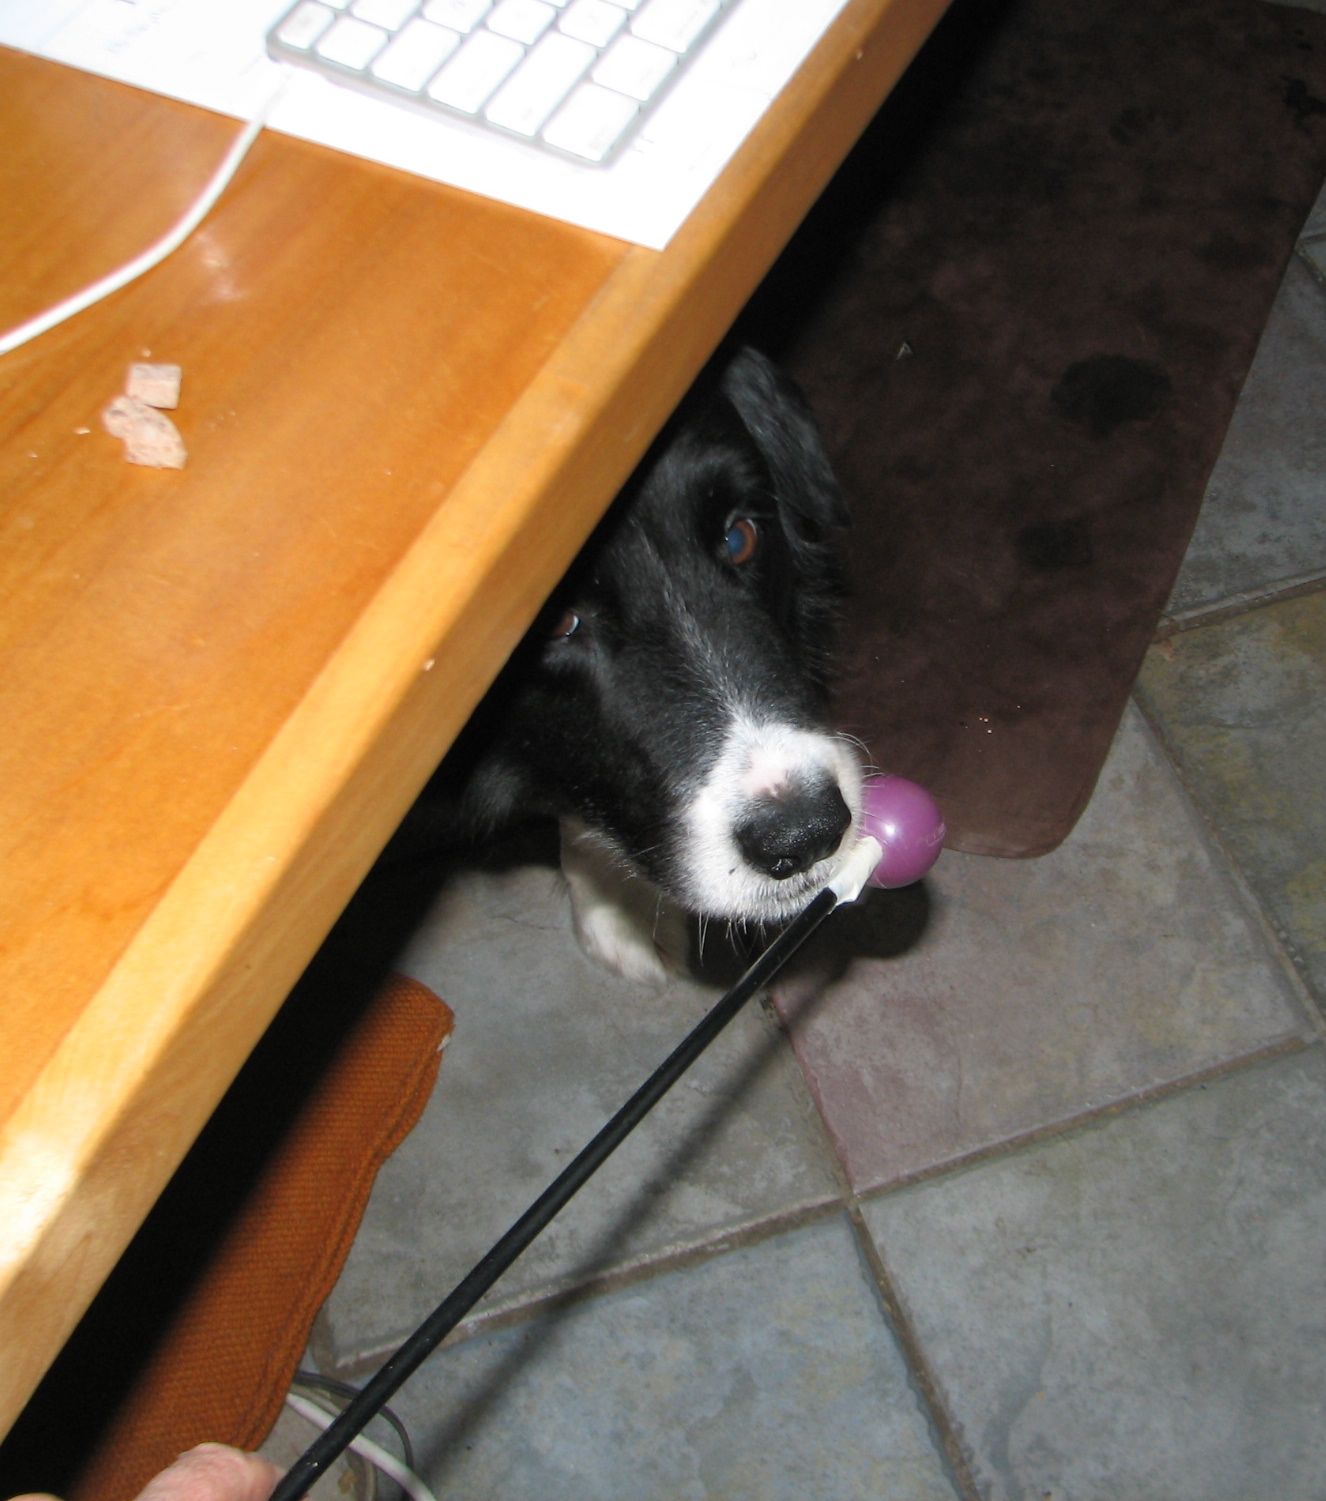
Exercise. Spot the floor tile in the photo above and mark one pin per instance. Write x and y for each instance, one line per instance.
(1037, 989)
(765, 1375)
(1242, 704)
(546, 1048)
(1263, 525)
(1138, 1310)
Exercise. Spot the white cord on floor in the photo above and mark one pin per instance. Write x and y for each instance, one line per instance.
(154, 254)
(390, 1466)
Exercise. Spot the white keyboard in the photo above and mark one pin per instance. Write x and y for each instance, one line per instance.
(576, 77)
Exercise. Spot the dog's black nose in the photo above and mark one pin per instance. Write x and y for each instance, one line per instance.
(787, 833)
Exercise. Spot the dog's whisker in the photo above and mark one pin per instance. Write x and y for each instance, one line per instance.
(868, 763)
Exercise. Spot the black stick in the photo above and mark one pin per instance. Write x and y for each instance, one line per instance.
(444, 1318)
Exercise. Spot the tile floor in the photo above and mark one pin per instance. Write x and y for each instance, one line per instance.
(1016, 1189)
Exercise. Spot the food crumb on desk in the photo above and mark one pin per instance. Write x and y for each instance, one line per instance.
(149, 436)
(157, 385)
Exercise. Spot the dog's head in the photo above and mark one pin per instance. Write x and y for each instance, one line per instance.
(672, 698)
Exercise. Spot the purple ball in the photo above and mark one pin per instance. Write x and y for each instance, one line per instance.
(909, 826)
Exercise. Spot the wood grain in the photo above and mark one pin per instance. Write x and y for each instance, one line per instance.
(405, 409)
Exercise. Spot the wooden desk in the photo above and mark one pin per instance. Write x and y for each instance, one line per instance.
(220, 688)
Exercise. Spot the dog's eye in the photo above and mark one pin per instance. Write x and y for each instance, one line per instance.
(564, 625)
(741, 542)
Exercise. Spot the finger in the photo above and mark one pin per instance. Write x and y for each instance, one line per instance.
(213, 1472)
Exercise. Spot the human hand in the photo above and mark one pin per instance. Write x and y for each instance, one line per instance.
(211, 1472)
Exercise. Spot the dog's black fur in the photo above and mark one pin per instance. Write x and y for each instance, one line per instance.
(704, 601)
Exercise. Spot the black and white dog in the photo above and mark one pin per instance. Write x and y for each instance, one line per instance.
(669, 709)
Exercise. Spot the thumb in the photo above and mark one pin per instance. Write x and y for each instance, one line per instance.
(213, 1472)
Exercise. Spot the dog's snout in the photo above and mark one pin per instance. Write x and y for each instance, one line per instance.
(788, 832)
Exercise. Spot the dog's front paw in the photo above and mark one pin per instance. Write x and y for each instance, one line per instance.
(623, 922)
(614, 938)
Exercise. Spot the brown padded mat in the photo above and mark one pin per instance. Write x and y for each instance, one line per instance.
(1022, 314)
(203, 1323)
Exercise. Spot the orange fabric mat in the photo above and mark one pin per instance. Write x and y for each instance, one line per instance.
(266, 1207)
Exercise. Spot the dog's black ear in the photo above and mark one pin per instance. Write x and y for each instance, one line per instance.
(777, 417)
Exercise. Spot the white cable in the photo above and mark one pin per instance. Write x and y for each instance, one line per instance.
(154, 254)
(390, 1466)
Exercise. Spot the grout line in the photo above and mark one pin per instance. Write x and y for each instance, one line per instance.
(1278, 942)
(827, 1146)
(555, 1299)
(585, 1282)
(1286, 1046)
(929, 1391)
(929, 1394)
(589, 1286)
(1237, 604)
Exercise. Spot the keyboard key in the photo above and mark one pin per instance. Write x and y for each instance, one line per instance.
(303, 26)
(475, 71)
(674, 23)
(593, 21)
(353, 44)
(576, 76)
(416, 54)
(634, 67)
(460, 15)
(591, 122)
(540, 83)
(391, 14)
(522, 20)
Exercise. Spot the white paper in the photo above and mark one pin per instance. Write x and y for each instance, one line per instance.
(211, 53)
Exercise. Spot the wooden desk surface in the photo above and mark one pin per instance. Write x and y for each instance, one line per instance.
(220, 688)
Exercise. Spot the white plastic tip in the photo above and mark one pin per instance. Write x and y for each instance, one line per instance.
(856, 869)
